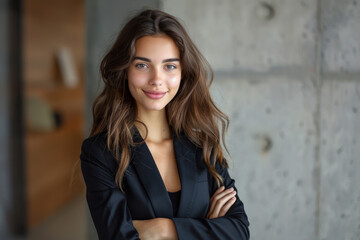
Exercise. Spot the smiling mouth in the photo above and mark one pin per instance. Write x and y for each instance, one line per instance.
(154, 94)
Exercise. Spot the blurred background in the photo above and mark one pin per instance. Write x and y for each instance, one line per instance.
(287, 72)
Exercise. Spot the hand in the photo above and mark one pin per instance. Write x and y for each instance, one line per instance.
(220, 202)
(156, 228)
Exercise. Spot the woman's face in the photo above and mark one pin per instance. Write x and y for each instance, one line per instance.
(154, 75)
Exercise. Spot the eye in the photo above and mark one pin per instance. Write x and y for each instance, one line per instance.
(170, 67)
(141, 66)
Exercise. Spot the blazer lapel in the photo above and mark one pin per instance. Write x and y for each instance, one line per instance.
(150, 177)
(186, 156)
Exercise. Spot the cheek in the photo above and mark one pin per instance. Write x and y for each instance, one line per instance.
(174, 82)
(136, 79)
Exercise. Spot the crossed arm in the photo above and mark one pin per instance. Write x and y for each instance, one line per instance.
(164, 228)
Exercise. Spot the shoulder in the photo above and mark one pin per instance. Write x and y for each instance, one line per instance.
(94, 150)
(98, 166)
(213, 162)
(95, 144)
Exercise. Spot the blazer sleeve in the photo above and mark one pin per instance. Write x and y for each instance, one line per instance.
(234, 225)
(107, 204)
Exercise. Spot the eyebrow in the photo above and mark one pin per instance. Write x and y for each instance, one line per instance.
(163, 61)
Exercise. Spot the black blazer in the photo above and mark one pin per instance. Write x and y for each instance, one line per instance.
(146, 196)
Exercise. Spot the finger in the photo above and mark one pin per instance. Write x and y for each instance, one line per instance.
(227, 206)
(222, 194)
(220, 189)
(218, 195)
(214, 197)
(221, 202)
(216, 206)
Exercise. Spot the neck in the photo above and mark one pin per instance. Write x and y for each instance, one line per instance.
(158, 128)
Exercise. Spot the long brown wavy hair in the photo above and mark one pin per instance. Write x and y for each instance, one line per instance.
(191, 112)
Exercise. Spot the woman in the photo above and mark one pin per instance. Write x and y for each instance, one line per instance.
(153, 164)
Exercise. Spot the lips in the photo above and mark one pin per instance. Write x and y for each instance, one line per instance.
(154, 94)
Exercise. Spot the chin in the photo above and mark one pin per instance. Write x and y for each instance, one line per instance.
(157, 109)
(154, 107)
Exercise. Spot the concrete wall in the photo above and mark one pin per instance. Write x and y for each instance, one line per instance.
(288, 75)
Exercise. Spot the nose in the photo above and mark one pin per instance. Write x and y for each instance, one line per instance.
(156, 78)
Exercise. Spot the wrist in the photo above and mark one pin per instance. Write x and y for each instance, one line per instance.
(168, 230)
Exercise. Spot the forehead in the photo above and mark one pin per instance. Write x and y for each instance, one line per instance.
(156, 47)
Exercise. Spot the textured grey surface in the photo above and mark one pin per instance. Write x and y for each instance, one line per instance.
(340, 161)
(4, 120)
(341, 35)
(13, 210)
(274, 180)
(242, 34)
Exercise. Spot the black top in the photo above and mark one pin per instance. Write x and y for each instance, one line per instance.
(175, 199)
